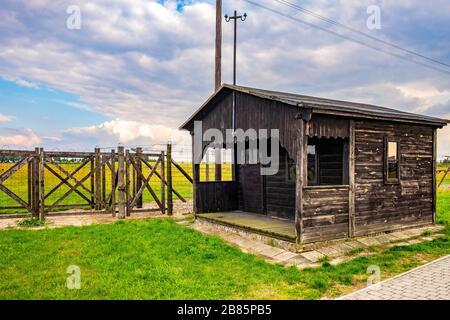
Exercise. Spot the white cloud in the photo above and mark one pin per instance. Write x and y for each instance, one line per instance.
(19, 137)
(127, 132)
(6, 118)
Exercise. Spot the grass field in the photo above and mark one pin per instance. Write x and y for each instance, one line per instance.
(18, 184)
(158, 259)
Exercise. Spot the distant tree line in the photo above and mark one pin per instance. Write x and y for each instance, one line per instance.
(14, 159)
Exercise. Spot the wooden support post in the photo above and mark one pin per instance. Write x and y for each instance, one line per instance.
(121, 183)
(127, 182)
(207, 166)
(35, 178)
(98, 191)
(163, 184)
(169, 180)
(30, 183)
(218, 162)
(299, 183)
(434, 173)
(41, 184)
(195, 176)
(138, 176)
(351, 180)
(92, 168)
(113, 182)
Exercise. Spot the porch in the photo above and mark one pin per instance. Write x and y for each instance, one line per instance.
(273, 227)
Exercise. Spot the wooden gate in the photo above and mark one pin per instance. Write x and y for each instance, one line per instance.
(137, 181)
(18, 160)
(101, 182)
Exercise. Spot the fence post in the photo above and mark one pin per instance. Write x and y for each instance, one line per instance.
(120, 182)
(113, 182)
(127, 182)
(138, 176)
(35, 184)
(169, 180)
(30, 183)
(41, 184)
(98, 191)
(92, 164)
(103, 160)
(163, 182)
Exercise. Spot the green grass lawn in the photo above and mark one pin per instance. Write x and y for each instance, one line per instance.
(158, 259)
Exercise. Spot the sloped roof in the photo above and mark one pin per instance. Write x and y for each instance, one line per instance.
(327, 106)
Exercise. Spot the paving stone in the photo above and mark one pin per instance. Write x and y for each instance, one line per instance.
(354, 244)
(312, 256)
(284, 256)
(271, 252)
(342, 248)
(329, 251)
(428, 282)
(299, 261)
(369, 241)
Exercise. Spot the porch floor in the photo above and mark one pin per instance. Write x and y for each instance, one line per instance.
(266, 225)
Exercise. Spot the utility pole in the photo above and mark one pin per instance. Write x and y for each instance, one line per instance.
(218, 64)
(235, 18)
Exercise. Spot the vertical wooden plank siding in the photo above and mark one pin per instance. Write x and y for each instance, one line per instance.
(218, 166)
(169, 180)
(120, 182)
(299, 181)
(434, 173)
(113, 182)
(351, 180)
(195, 176)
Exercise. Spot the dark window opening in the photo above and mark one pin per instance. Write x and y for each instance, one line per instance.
(327, 161)
(392, 163)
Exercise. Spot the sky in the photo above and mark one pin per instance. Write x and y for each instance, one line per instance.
(134, 70)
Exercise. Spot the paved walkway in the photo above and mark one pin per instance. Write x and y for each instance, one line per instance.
(336, 252)
(428, 282)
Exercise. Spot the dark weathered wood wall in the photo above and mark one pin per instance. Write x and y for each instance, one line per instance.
(219, 117)
(216, 196)
(325, 213)
(250, 188)
(258, 113)
(280, 193)
(382, 207)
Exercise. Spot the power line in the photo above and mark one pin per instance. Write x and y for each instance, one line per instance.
(347, 38)
(336, 23)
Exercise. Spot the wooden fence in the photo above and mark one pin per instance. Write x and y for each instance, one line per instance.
(103, 182)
